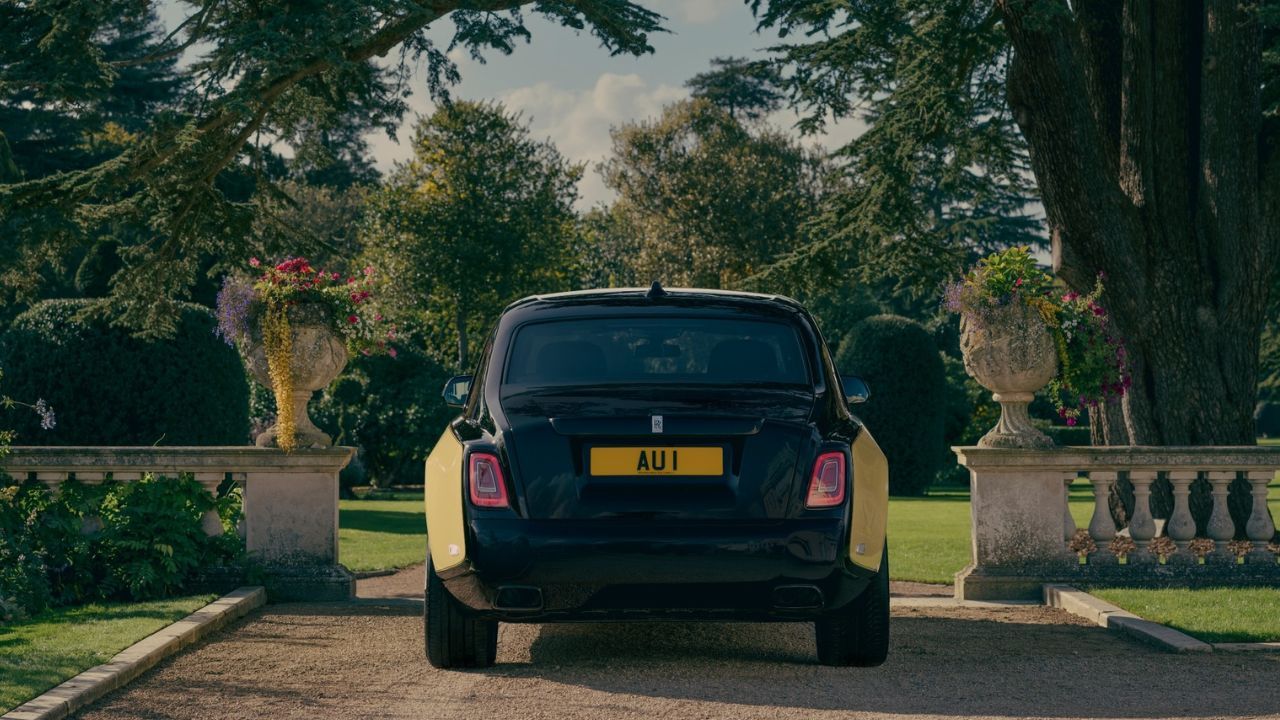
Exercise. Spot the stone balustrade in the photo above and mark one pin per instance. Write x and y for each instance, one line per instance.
(1023, 530)
(290, 519)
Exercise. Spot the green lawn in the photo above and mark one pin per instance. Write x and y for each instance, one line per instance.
(382, 534)
(40, 653)
(1210, 614)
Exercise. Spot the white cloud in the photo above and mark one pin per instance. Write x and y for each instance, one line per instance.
(700, 12)
(578, 121)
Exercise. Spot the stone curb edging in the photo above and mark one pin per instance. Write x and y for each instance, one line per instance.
(90, 685)
(1081, 603)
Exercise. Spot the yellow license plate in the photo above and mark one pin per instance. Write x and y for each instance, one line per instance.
(614, 461)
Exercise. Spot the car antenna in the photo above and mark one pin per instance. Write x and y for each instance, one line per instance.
(655, 291)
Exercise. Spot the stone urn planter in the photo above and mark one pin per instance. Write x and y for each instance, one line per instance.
(1012, 354)
(318, 356)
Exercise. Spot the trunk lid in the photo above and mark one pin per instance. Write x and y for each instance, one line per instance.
(571, 451)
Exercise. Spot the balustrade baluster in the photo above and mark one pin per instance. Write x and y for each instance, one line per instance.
(1101, 527)
(1181, 526)
(210, 522)
(1221, 528)
(1142, 527)
(51, 479)
(1260, 528)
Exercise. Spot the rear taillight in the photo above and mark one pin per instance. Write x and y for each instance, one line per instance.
(827, 481)
(484, 478)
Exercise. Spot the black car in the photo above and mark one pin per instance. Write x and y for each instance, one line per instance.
(654, 455)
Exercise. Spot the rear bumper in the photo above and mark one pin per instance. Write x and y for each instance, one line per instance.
(589, 570)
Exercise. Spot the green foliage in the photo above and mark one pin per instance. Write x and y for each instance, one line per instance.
(479, 217)
(391, 409)
(711, 201)
(744, 89)
(135, 540)
(906, 414)
(941, 171)
(110, 388)
(277, 72)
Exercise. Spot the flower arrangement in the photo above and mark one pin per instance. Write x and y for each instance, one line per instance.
(1200, 547)
(1121, 546)
(1274, 549)
(293, 290)
(1082, 545)
(1092, 364)
(1239, 548)
(1163, 547)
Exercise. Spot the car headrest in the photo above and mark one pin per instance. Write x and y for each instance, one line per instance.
(570, 360)
(743, 360)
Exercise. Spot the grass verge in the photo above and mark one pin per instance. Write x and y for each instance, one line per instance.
(54, 646)
(1209, 614)
(382, 534)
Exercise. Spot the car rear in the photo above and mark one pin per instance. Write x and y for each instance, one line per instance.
(637, 459)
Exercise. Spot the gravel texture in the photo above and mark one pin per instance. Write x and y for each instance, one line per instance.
(364, 660)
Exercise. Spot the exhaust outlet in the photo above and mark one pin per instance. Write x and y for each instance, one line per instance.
(797, 597)
(518, 598)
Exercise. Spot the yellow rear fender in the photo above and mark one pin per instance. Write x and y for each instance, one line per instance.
(870, 502)
(446, 535)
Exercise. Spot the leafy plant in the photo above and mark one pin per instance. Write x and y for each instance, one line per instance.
(110, 541)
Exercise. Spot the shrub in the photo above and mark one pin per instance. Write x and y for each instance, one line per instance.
(115, 541)
(110, 388)
(907, 409)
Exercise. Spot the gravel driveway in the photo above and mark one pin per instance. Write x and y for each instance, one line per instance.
(364, 660)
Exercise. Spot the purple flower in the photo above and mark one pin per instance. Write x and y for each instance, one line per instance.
(48, 420)
(234, 300)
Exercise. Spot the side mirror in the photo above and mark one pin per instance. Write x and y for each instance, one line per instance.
(855, 389)
(457, 390)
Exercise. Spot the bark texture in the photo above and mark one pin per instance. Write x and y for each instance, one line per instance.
(1143, 120)
(1144, 123)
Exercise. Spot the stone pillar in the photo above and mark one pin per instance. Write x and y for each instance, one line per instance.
(1016, 501)
(1142, 527)
(291, 522)
(1221, 528)
(1260, 527)
(1181, 527)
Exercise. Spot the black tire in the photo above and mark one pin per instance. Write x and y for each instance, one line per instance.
(453, 638)
(858, 633)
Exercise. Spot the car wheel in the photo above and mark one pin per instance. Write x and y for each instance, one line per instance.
(858, 633)
(455, 639)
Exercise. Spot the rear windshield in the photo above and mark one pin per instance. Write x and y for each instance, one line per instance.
(702, 350)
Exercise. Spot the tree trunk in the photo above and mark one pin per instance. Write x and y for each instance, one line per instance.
(1143, 122)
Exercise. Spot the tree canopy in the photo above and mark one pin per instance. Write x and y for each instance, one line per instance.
(481, 216)
(264, 73)
(709, 200)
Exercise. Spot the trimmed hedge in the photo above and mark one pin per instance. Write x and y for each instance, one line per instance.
(907, 410)
(108, 387)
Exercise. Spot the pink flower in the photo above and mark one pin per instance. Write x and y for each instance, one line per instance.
(353, 319)
(368, 270)
(1071, 422)
(334, 276)
(391, 352)
(1017, 283)
(1071, 296)
(254, 262)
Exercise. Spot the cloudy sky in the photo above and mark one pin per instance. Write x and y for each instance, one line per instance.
(573, 92)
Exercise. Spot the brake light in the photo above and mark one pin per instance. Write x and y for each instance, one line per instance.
(827, 481)
(487, 486)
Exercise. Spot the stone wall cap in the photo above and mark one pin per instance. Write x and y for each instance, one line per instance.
(172, 459)
(1208, 457)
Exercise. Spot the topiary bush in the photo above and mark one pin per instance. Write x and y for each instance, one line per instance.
(907, 410)
(111, 388)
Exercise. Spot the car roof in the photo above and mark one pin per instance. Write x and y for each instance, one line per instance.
(632, 296)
